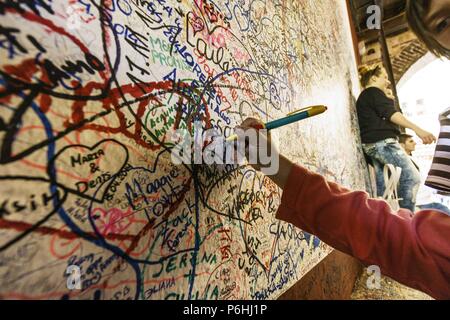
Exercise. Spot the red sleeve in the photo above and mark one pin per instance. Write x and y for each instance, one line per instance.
(414, 251)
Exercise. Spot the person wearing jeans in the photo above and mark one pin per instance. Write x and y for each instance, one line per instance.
(426, 196)
(379, 123)
(390, 151)
(411, 249)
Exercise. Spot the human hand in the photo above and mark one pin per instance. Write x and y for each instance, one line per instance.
(259, 150)
(425, 136)
(262, 153)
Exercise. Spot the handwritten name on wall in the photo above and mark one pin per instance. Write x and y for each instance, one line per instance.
(90, 93)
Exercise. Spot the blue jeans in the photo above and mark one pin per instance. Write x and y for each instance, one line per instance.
(435, 205)
(390, 151)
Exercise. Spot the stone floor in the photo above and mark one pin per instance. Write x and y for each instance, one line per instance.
(389, 290)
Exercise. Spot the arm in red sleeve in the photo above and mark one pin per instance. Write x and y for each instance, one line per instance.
(414, 251)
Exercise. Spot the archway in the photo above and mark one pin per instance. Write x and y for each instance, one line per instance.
(424, 94)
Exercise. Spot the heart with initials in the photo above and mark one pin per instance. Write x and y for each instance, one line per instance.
(197, 24)
(89, 171)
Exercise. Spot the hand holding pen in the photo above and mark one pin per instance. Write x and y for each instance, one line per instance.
(263, 140)
(290, 118)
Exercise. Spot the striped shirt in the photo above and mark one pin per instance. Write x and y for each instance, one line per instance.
(439, 175)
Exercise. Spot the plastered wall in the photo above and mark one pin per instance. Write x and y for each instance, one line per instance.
(92, 205)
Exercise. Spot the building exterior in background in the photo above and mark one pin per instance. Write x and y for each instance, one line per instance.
(423, 96)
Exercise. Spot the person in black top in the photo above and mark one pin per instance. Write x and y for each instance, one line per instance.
(379, 123)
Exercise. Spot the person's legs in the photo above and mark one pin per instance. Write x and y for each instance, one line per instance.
(435, 205)
(370, 150)
(390, 151)
(379, 174)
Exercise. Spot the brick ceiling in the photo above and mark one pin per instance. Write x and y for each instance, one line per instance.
(404, 50)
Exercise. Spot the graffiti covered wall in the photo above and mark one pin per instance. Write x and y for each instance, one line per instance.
(93, 207)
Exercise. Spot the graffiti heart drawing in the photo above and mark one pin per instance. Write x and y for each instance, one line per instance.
(197, 24)
(91, 169)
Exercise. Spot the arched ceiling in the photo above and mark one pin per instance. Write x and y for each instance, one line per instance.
(407, 57)
(404, 48)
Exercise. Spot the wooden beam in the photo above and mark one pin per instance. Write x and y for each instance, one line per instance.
(387, 59)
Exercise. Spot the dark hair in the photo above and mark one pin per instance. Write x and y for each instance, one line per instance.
(415, 12)
(366, 74)
(404, 136)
